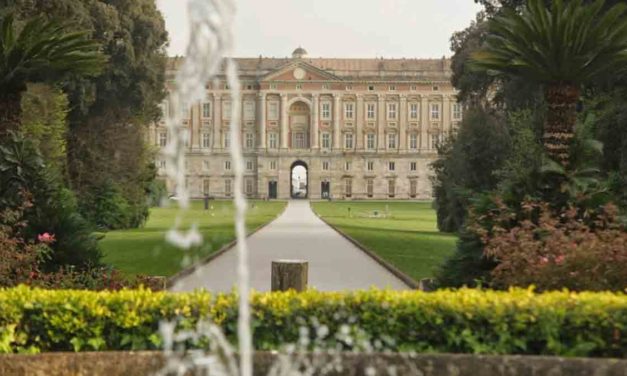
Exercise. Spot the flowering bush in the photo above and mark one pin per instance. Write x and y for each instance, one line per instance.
(575, 250)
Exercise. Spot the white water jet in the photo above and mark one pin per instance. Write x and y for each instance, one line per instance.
(211, 43)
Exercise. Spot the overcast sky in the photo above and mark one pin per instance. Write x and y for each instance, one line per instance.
(336, 28)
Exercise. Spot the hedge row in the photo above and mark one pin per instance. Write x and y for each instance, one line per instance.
(463, 321)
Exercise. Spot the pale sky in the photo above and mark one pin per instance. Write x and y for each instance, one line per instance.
(336, 28)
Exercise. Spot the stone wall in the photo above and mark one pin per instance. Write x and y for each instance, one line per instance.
(147, 363)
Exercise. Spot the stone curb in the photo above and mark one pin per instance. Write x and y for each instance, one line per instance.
(207, 259)
(120, 363)
(391, 268)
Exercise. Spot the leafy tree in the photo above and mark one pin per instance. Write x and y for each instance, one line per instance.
(467, 165)
(44, 121)
(561, 47)
(41, 50)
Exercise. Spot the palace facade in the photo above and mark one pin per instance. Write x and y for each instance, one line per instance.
(362, 128)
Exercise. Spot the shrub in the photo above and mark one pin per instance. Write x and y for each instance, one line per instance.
(554, 251)
(464, 321)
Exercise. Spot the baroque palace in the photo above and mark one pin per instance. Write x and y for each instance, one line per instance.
(358, 128)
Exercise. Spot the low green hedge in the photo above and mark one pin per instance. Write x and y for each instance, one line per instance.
(463, 321)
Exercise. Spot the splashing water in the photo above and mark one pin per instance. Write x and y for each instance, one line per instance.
(211, 42)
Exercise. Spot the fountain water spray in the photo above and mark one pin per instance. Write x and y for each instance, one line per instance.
(210, 46)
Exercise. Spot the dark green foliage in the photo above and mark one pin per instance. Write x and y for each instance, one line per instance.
(109, 209)
(467, 165)
(109, 113)
(465, 321)
(54, 208)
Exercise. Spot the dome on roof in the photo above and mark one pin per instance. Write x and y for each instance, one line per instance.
(299, 53)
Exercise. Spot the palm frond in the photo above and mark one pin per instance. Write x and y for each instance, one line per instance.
(569, 42)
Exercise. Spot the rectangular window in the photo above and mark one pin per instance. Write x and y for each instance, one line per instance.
(370, 141)
(273, 110)
(391, 166)
(457, 111)
(413, 87)
(412, 166)
(299, 86)
(349, 87)
(185, 110)
(391, 111)
(227, 140)
(413, 141)
(249, 186)
(161, 164)
(273, 142)
(348, 187)
(347, 166)
(163, 139)
(370, 87)
(249, 165)
(250, 141)
(413, 188)
(206, 140)
(205, 186)
(299, 140)
(349, 110)
(391, 141)
(325, 166)
(435, 111)
(226, 110)
(370, 187)
(205, 165)
(392, 87)
(326, 111)
(165, 108)
(370, 166)
(348, 141)
(227, 187)
(370, 111)
(413, 111)
(249, 110)
(435, 140)
(273, 86)
(326, 140)
(273, 165)
(206, 110)
(391, 188)
(227, 165)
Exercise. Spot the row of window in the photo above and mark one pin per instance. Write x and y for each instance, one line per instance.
(250, 165)
(300, 140)
(249, 187)
(349, 111)
(390, 87)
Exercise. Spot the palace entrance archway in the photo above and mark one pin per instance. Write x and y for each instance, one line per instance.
(299, 180)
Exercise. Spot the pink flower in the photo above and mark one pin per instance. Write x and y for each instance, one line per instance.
(544, 260)
(46, 238)
(559, 259)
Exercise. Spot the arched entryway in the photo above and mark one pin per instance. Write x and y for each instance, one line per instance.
(299, 180)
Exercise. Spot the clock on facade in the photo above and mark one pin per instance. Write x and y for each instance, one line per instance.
(299, 73)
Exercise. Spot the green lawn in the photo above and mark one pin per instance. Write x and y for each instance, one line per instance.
(144, 251)
(407, 238)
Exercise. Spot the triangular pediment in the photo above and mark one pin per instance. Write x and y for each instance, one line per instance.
(299, 71)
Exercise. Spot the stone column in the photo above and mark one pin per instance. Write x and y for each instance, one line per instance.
(402, 125)
(284, 122)
(336, 122)
(381, 121)
(446, 114)
(261, 108)
(315, 115)
(360, 122)
(217, 121)
(424, 123)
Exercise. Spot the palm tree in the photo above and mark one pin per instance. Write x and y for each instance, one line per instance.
(40, 51)
(562, 46)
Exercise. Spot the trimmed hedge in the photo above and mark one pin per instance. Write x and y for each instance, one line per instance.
(462, 321)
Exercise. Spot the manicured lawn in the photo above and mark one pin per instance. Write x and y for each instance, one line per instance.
(408, 237)
(144, 251)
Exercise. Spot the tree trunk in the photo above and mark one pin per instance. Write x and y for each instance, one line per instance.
(10, 112)
(559, 126)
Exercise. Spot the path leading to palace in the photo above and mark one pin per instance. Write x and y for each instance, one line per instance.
(334, 262)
